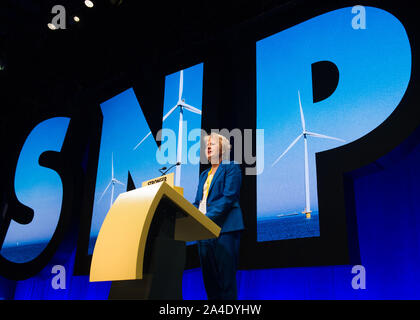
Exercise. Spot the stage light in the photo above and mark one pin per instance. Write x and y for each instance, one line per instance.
(52, 26)
(76, 18)
(88, 3)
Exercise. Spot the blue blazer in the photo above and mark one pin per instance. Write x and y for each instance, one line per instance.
(223, 197)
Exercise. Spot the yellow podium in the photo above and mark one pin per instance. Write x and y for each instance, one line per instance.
(141, 244)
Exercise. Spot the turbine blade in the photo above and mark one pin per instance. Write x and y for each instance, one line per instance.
(302, 118)
(163, 119)
(181, 84)
(191, 108)
(288, 148)
(317, 135)
(169, 112)
(138, 144)
(112, 165)
(119, 182)
(103, 193)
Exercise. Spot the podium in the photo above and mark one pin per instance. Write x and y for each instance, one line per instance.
(141, 244)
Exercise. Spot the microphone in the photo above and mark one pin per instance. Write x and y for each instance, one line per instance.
(161, 169)
(164, 168)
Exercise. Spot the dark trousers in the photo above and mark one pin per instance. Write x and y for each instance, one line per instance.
(219, 261)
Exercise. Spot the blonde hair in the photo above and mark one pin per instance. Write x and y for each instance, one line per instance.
(224, 144)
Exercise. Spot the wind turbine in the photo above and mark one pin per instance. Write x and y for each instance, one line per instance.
(111, 183)
(181, 105)
(304, 134)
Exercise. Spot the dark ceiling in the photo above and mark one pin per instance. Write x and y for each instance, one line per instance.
(111, 39)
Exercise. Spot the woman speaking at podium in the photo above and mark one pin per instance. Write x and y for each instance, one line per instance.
(218, 198)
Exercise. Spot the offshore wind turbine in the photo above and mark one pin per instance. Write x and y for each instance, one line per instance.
(304, 134)
(111, 183)
(181, 105)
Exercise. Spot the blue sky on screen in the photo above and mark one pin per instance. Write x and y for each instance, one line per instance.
(124, 126)
(192, 93)
(38, 187)
(374, 70)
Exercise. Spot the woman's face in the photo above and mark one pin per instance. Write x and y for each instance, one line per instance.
(213, 151)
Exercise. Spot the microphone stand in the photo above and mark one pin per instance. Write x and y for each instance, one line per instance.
(163, 173)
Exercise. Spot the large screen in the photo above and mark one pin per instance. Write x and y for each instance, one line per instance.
(38, 188)
(127, 145)
(320, 96)
(373, 66)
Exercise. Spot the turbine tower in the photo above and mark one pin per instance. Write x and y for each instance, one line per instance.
(181, 105)
(111, 183)
(304, 134)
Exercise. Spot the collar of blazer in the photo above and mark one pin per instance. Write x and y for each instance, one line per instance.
(220, 168)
